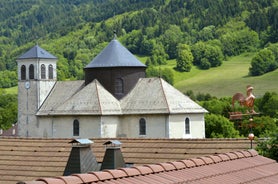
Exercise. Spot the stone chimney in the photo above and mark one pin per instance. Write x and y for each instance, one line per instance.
(113, 157)
(81, 159)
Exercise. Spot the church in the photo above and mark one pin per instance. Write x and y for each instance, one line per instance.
(114, 100)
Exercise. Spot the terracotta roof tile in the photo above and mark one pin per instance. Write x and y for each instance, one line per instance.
(232, 156)
(189, 163)
(207, 160)
(131, 171)
(178, 165)
(167, 166)
(215, 158)
(144, 170)
(197, 161)
(52, 180)
(155, 167)
(102, 175)
(71, 179)
(253, 152)
(87, 178)
(224, 157)
(117, 173)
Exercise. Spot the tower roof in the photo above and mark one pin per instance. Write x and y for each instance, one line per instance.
(115, 55)
(37, 52)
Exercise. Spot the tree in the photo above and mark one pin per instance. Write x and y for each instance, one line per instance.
(262, 63)
(8, 109)
(269, 147)
(166, 74)
(268, 104)
(184, 58)
(218, 126)
(206, 55)
(170, 39)
(158, 57)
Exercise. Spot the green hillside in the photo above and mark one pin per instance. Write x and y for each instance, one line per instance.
(159, 30)
(227, 79)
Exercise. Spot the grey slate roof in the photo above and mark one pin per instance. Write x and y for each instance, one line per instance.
(91, 99)
(154, 95)
(149, 96)
(37, 52)
(115, 55)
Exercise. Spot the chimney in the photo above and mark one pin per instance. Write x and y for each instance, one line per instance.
(81, 159)
(113, 157)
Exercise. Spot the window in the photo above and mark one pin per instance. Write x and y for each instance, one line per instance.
(23, 72)
(50, 72)
(142, 126)
(75, 127)
(187, 126)
(119, 86)
(31, 72)
(43, 71)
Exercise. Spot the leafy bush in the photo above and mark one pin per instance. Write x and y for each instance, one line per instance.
(263, 62)
(218, 126)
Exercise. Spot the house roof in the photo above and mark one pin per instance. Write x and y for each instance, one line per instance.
(26, 159)
(157, 97)
(37, 52)
(232, 167)
(115, 55)
(91, 99)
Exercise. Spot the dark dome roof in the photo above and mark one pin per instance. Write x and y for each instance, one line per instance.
(115, 55)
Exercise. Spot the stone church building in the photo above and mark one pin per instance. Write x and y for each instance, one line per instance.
(114, 100)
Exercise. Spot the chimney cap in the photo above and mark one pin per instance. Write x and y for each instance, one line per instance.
(113, 143)
(81, 141)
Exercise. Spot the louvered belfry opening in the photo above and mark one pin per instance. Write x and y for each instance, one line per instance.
(113, 157)
(81, 159)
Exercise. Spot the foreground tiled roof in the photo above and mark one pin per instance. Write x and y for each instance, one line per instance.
(232, 167)
(25, 159)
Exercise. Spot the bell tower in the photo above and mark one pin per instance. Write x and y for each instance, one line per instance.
(36, 77)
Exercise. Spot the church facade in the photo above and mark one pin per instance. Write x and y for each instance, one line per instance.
(114, 100)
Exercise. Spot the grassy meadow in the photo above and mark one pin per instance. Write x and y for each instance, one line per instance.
(229, 78)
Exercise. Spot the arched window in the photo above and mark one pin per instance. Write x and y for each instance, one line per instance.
(50, 72)
(142, 126)
(75, 127)
(187, 126)
(119, 86)
(31, 72)
(23, 72)
(43, 71)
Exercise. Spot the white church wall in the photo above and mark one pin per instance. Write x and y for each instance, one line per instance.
(156, 126)
(62, 126)
(109, 126)
(177, 126)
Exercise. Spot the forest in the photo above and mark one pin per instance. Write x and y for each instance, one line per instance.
(201, 33)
